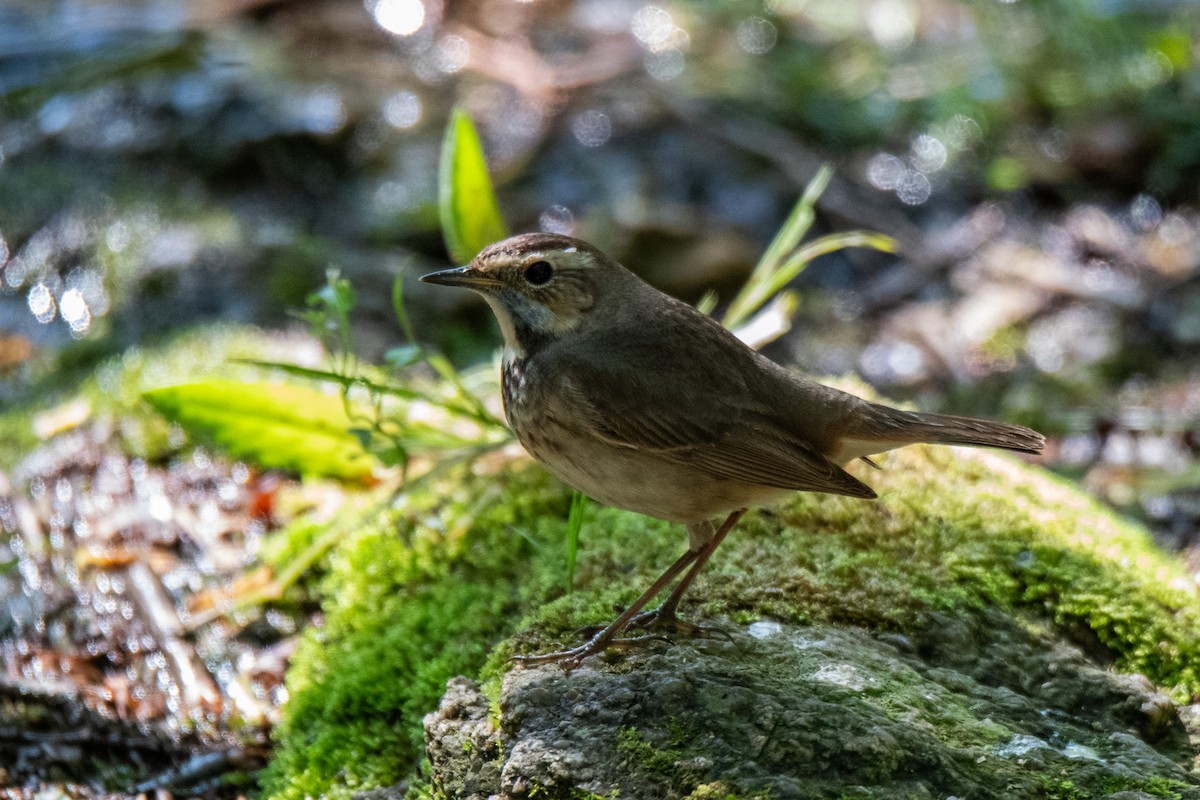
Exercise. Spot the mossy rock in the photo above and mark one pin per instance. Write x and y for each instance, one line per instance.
(989, 709)
(1029, 578)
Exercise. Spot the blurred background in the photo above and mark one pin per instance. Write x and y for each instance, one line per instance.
(170, 163)
(166, 162)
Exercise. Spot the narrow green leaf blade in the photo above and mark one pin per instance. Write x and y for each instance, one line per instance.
(274, 425)
(776, 267)
(574, 525)
(466, 199)
(708, 302)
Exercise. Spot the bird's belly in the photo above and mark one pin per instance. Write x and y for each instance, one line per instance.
(624, 477)
(645, 483)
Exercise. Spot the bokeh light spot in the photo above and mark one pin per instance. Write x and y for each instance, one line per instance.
(891, 24)
(591, 128)
(557, 219)
(756, 35)
(402, 110)
(894, 363)
(392, 196)
(41, 303)
(885, 171)
(914, 189)
(56, 114)
(652, 26)
(1148, 69)
(322, 111)
(962, 132)
(665, 65)
(1145, 212)
(928, 153)
(399, 17)
(90, 285)
(117, 237)
(452, 54)
(75, 311)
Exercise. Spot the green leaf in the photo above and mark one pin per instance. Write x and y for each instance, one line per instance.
(270, 424)
(401, 311)
(466, 200)
(754, 293)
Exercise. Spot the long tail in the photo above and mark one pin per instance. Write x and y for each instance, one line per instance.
(890, 425)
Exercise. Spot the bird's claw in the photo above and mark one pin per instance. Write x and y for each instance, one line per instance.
(663, 619)
(660, 619)
(572, 658)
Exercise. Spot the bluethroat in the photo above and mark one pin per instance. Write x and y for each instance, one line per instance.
(641, 402)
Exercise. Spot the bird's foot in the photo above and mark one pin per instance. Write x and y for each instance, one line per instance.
(665, 620)
(572, 658)
(662, 620)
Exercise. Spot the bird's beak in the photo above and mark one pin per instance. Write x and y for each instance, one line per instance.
(468, 277)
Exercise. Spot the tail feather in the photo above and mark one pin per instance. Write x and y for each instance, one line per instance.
(890, 425)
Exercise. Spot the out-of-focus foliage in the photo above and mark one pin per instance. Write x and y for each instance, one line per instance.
(1055, 93)
(369, 423)
(270, 424)
(784, 259)
(163, 169)
(470, 218)
(383, 421)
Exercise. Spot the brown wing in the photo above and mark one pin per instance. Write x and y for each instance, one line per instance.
(706, 420)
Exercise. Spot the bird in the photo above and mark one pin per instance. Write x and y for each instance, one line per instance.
(641, 402)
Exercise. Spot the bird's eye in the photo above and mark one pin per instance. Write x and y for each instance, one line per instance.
(539, 272)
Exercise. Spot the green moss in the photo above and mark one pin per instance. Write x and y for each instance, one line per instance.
(16, 435)
(539, 792)
(662, 761)
(1157, 787)
(661, 758)
(1064, 789)
(719, 791)
(958, 533)
(953, 533)
(289, 542)
(669, 760)
(414, 598)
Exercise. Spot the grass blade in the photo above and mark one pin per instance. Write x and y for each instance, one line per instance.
(784, 259)
(574, 524)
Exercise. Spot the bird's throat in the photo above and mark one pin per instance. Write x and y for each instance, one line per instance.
(527, 326)
(508, 329)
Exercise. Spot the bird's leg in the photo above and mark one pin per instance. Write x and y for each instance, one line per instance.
(664, 615)
(597, 644)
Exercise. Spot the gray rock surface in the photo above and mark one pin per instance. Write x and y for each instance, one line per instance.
(983, 709)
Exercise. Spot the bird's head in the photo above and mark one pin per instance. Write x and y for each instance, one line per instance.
(540, 285)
